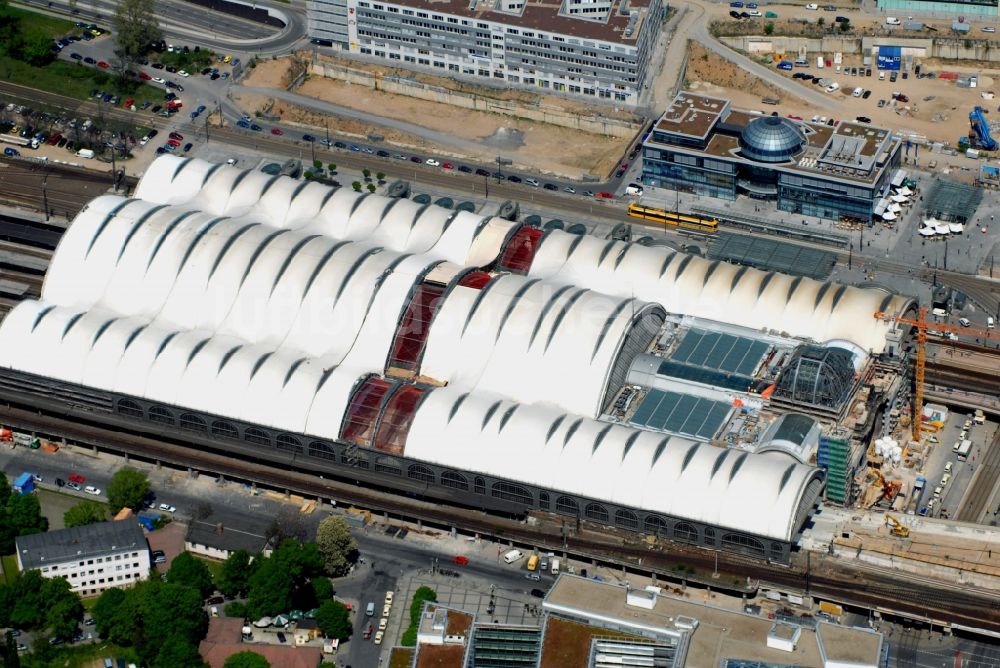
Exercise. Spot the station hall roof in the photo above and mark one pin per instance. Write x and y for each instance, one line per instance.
(268, 300)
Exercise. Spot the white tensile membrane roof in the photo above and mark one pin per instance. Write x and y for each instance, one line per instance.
(264, 299)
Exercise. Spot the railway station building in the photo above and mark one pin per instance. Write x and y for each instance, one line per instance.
(445, 354)
(703, 145)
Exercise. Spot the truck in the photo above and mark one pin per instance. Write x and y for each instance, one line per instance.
(533, 562)
(17, 140)
(964, 448)
(26, 440)
(554, 567)
(979, 417)
(86, 153)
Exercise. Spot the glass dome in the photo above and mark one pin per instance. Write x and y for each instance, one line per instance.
(771, 139)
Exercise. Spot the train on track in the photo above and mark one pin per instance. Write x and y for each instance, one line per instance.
(684, 221)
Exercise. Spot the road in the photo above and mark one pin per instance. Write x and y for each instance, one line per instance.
(975, 502)
(202, 26)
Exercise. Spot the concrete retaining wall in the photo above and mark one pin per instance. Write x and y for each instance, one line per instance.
(597, 125)
(949, 48)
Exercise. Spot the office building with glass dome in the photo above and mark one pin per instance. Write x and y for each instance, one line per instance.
(702, 145)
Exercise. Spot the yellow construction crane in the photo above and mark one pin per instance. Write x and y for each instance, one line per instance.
(897, 527)
(921, 325)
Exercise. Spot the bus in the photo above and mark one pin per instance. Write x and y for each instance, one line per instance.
(533, 562)
(683, 221)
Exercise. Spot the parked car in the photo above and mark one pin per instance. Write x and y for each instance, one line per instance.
(90, 489)
(159, 556)
(103, 65)
(76, 56)
(277, 132)
(77, 478)
(167, 508)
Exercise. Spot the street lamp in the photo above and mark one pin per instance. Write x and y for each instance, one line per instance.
(501, 161)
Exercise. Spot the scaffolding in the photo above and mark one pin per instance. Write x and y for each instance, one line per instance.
(833, 457)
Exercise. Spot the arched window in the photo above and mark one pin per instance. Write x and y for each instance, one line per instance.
(596, 511)
(736, 542)
(512, 492)
(192, 422)
(388, 465)
(258, 436)
(655, 525)
(626, 519)
(685, 533)
(709, 536)
(289, 443)
(543, 500)
(454, 480)
(223, 429)
(480, 485)
(322, 450)
(777, 552)
(129, 407)
(567, 506)
(418, 472)
(161, 415)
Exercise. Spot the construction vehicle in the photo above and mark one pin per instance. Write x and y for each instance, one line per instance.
(889, 489)
(921, 325)
(897, 527)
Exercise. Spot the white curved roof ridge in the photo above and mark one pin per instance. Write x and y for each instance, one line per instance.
(397, 224)
(530, 340)
(543, 445)
(691, 285)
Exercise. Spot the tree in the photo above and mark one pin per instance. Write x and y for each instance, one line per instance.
(187, 570)
(332, 168)
(768, 28)
(128, 488)
(5, 490)
(318, 164)
(135, 28)
(234, 577)
(8, 651)
(34, 46)
(845, 26)
(367, 173)
(371, 187)
(235, 609)
(283, 578)
(322, 588)
(336, 545)
(179, 653)
(821, 22)
(357, 186)
(85, 512)
(333, 620)
(246, 660)
(64, 610)
(380, 176)
(20, 515)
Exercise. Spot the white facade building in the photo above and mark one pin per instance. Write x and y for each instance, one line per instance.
(92, 558)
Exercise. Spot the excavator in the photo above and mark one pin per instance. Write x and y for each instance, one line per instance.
(897, 527)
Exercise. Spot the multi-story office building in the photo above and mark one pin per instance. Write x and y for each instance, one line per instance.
(702, 145)
(92, 558)
(592, 48)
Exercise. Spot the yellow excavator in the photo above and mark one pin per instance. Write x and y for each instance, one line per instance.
(897, 527)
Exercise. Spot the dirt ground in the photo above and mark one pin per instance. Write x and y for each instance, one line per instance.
(708, 72)
(937, 109)
(541, 147)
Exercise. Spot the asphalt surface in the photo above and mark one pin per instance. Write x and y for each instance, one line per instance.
(181, 21)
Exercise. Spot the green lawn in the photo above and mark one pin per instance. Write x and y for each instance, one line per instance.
(81, 656)
(9, 562)
(55, 27)
(214, 567)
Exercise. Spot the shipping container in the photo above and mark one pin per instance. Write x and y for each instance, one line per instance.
(831, 608)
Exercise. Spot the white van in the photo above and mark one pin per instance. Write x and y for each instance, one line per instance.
(858, 91)
(937, 492)
(833, 87)
(948, 467)
(554, 566)
(990, 323)
(881, 76)
(85, 153)
(892, 21)
(370, 610)
(944, 479)
(512, 556)
(964, 322)
(633, 189)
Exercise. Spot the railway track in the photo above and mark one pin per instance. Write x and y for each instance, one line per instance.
(833, 582)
